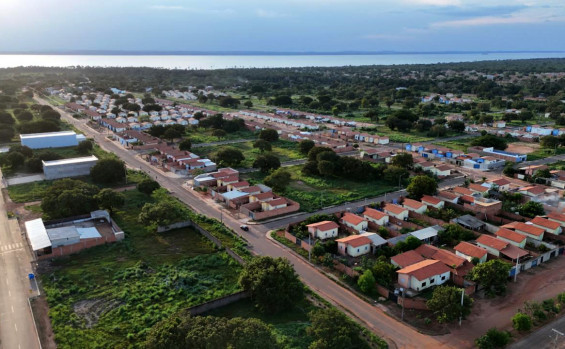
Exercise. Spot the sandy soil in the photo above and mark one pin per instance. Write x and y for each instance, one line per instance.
(43, 323)
(522, 147)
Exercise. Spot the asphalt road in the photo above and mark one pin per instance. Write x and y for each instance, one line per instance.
(17, 330)
(396, 333)
(545, 337)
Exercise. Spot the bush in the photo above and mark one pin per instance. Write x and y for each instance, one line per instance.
(521, 322)
(147, 186)
(108, 171)
(85, 147)
(493, 339)
(367, 282)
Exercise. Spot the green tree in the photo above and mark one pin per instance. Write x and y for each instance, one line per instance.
(51, 115)
(404, 160)
(269, 135)
(313, 153)
(219, 133)
(6, 133)
(278, 180)
(172, 133)
(272, 283)
(305, 146)
(394, 174)
(267, 163)
(22, 149)
(326, 168)
(25, 116)
(367, 282)
(522, 322)
(453, 234)
(185, 144)
(85, 147)
(411, 243)
(6, 118)
(160, 214)
(262, 145)
(384, 272)
(493, 339)
(248, 104)
(147, 186)
(446, 304)
(228, 156)
(331, 329)
(69, 197)
(109, 199)
(493, 275)
(549, 142)
(15, 159)
(531, 209)
(456, 125)
(108, 171)
(490, 141)
(421, 185)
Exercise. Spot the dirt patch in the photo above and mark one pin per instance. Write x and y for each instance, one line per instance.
(90, 310)
(422, 320)
(40, 311)
(522, 148)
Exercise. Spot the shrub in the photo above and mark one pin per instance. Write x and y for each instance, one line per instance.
(493, 339)
(522, 322)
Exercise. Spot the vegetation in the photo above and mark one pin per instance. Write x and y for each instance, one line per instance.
(332, 329)
(278, 180)
(521, 322)
(493, 339)
(492, 275)
(531, 209)
(108, 171)
(490, 141)
(61, 198)
(267, 163)
(147, 186)
(446, 304)
(453, 234)
(366, 282)
(421, 185)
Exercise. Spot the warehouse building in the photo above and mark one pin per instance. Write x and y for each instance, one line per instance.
(69, 167)
(51, 139)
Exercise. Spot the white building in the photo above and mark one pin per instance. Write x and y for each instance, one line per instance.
(51, 139)
(69, 167)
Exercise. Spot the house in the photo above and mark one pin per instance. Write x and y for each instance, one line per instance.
(432, 201)
(491, 244)
(375, 216)
(353, 221)
(557, 217)
(424, 274)
(470, 222)
(441, 170)
(396, 211)
(549, 226)
(376, 241)
(477, 188)
(511, 237)
(530, 231)
(448, 196)
(406, 259)
(470, 251)
(462, 191)
(427, 235)
(532, 191)
(500, 184)
(459, 266)
(415, 206)
(354, 245)
(323, 230)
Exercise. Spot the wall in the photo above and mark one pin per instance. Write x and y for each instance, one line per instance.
(344, 269)
(424, 218)
(290, 237)
(412, 303)
(404, 224)
(75, 248)
(383, 291)
(218, 303)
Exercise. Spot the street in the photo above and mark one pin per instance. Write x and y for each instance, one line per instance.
(551, 336)
(396, 333)
(17, 329)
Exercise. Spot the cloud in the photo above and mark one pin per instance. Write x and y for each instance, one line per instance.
(269, 14)
(516, 18)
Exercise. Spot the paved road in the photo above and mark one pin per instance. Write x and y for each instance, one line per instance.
(545, 337)
(17, 330)
(374, 318)
(548, 160)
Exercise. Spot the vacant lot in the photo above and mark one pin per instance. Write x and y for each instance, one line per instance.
(315, 192)
(203, 135)
(110, 296)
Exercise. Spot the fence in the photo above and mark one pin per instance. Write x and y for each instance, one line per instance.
(218, 303)
(404, 224)
(383, 291)
(79, 246)
(424, 218)
(412, 303)
(346, 270)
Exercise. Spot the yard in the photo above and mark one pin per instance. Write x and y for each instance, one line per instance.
(111, 295)
(315, 192)
(203, 135)
(284, 150)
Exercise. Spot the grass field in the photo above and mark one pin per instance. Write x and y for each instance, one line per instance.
(202, 135)
(542, 153)
(315, 192)
(284, 150)
(111, 295)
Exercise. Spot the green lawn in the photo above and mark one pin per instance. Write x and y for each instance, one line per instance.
(315, 192)
(459, 144)
(202, 135)
(542, 153)
(135, 283)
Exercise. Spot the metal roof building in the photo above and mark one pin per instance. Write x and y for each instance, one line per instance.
(69, 167)
(51, 139)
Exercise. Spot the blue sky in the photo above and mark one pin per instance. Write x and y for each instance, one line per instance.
(282, 25)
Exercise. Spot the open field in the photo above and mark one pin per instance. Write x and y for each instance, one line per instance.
(111, 295)
(315, 192)
(284, 150)
(203, 135)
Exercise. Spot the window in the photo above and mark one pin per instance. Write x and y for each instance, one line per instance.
(432, 280)
(442, 278)
(423, 284)
(357, 250)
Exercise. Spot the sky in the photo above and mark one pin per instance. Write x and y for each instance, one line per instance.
(282, 25)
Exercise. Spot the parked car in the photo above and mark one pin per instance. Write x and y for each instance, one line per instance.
(244, 227)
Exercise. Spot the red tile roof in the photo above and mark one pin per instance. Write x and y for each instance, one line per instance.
(352, 218)
(448, 195)
(425, 269)
(394, 209)
(530, 229)
(556, 216)
(277, 202)
(510, 235)
(355, 240)
(477, 187)
(324, 225)
(491, 242)
(431, 200)
(448, 258)
(443, 168)
(500, 181)
(412, 203)
(263, 196)
(514, 251)
(546, 223)
(407, 258)
(375, 214)
(462, 190)
(470, 250)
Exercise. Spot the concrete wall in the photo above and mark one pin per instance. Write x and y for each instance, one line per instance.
(413, 303)
(218, 303)
(75, 248)
(68, 170)
(51, 142)
(424, 218)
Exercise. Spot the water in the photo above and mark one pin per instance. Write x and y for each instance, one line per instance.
(266, 61)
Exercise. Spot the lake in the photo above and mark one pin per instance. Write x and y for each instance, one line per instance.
(258, 61)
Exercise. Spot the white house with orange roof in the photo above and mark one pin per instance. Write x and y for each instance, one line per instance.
(530, 231)
(354, 245)
(375, 216)
(549, 226)
(396, 211)
(470, 251)
(557, 217)
(423, 275)
(432, 201)
(511, 237)
(353, 221)
(415, 206)
(323, 230)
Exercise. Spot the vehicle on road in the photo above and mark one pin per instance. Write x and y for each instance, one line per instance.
(244, 227)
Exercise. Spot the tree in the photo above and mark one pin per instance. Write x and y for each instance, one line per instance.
(509, 169)
(278, 179)
(185, 144)
(172, 133)
(331, 329)
(326, 168)
(160, 214)
(272, 283)
(493, 339)
(446, 304)
(85, 147)
(69, 197)
(305, 146)
(108, 171)
(393, 174)
(404, 160)
(25, 116)
(490, 141)
(228, 156)
(457, 126)
(269, 134)
(147, 186)
(157, 131)
(6, 134)
(267, 163)
(549, 142)
(6, 118)
(493, 275)
(109, 199)
(531, 209)
(248, 104)
(411, 243)
(522, 322)
(219, 133)
(15, 159)
(367, 282)
(453, 234)
(22, 149)
(313, 153)
(421, 185)
(384, 272)
(51, 115)
(38, 126)
(262, 145)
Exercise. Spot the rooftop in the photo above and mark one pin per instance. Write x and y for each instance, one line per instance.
(70, 161)
(431, 199)
(47, 134)
(352, 218)
(510, 235)
(425, 269)
(545, 223)
(395, 209)
(412, 203)
(530, 229)
(375, 214)
(492, 242)
(407, 258)
(324, 225)
(470, 249)
(355, 240)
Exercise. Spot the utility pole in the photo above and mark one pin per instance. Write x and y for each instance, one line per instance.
(517, 267)
(310, 249)
(462, 297)
(557, 334)
(402, 316)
